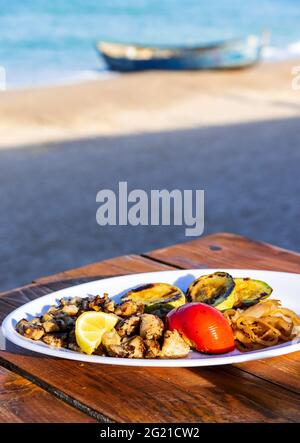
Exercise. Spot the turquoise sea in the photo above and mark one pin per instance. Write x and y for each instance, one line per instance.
(51, 41)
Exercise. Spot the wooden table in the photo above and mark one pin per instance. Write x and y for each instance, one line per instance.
(35, 388)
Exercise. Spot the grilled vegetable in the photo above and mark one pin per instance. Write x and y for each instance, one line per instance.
(157, 296)
(203, 326)
(211, 289)
(246, 292)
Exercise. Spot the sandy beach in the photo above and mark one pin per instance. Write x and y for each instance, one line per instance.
(147, 102)
(233, 134)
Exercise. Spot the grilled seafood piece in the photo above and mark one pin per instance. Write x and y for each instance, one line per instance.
(151, 327)
(136, 335)
(128, 326)
(174, 345)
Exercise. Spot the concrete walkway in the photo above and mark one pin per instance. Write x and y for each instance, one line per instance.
(250, 174)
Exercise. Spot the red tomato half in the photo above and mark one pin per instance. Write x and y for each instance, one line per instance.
(204, 326)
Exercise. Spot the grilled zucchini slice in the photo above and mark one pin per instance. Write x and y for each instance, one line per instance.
(157, 296)
(247, 292)
(211, 289)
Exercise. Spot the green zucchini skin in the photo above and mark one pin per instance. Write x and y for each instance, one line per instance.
(248, 292)
(157, 297)
(211, 289)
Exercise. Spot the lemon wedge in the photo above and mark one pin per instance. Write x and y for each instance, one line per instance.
(90, 327)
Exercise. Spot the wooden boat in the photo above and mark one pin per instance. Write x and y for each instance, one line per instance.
(229, 54)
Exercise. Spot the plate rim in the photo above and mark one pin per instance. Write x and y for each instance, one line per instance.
(12, 336)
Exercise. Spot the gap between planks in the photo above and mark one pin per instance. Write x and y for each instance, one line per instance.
(70, 401)
(294, 391)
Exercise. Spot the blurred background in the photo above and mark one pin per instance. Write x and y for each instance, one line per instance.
(69, 127)
(46, 41)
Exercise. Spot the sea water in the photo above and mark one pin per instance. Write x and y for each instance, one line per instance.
(52, 41)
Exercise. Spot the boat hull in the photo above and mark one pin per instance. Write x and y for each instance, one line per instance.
(232, 55)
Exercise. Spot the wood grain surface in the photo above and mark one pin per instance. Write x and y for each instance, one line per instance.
(233, 251)
(227, 251)
(23, 401)
(262, 391)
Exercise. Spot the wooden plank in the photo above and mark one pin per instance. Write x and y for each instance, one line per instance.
(220, 394)
(129, 264)
(227, 251)
(22, 401)
(284, 370)
(233, 251)
(13, 299)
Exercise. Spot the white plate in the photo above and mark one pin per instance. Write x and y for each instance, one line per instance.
(286, 287)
